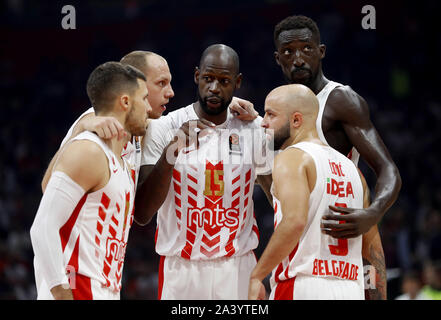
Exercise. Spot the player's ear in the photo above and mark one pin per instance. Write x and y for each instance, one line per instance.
(196, 75)
(322, 49)
(124, 102)
(276, 56)
(296, 120)
(238, 80)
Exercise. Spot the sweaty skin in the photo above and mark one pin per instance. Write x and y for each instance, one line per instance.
(345, 123)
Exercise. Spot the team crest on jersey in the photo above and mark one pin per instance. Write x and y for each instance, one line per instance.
(234, 142)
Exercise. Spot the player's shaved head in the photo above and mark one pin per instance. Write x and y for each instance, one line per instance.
(294, 98)
(227, 55)
(141, 60)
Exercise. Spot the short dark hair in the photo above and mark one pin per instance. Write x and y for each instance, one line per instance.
(108, 80)
(296, 22)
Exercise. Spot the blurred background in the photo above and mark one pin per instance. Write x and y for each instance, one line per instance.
(44, 69)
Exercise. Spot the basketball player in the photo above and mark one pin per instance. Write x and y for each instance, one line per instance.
(157, 71)
(82, 225)
(308, 176)
(160, 91)
(343, 121)
(206, 229)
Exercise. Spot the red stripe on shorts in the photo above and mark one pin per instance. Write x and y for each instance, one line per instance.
(161, 276)
(285, 290)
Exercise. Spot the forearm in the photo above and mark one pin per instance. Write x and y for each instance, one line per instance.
(374, 261)
(281, 244)
(387, 189)
(54, 210)
(153, 191)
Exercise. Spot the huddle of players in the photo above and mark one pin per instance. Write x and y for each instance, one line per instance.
(206, 229)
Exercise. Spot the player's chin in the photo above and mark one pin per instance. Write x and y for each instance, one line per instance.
(139, 131)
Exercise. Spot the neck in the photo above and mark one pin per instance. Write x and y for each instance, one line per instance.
(302, 135)
(319, 83)
(216, 119)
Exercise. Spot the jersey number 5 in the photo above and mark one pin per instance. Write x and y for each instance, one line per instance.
(342, 248)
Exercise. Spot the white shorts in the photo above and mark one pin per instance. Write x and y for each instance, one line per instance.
(83, 288)
(316, 288)
(217, 279)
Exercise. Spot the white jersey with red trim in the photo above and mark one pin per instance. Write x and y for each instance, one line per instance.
(322, 97)
(208, 212)
(319, 255)
(131, 151)
(95, 236)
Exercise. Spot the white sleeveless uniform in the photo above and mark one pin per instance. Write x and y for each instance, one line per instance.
(206, 228)
(321, 267)
(322, 97)
(94, 238)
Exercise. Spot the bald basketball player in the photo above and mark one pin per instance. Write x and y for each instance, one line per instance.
(158, 83)
(308, 177)
(206, 229)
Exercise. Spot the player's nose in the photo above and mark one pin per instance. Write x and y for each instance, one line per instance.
(169, 93)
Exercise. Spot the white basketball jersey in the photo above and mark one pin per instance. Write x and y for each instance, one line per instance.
(94, 239)
(208, 212)
(131, 151)
(322, 97)
(319, 255)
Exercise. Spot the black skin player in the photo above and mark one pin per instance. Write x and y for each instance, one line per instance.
(345, 123)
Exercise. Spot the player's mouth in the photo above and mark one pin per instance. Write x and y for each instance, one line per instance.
(214, 102)
(300, 74)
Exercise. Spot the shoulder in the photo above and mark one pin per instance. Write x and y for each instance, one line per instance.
(83, 158)
(292, 160)
(344, 101)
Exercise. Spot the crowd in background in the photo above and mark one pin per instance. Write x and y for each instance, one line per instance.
(394, 67)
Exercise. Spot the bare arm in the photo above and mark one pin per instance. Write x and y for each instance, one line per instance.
(353, 113)
(86, 174)
(154, 181)
(373, 255)
(292, 188)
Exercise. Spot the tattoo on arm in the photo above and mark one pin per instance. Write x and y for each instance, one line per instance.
(376, 286)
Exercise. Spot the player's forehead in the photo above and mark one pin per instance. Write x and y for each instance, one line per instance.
(157, 69)
(287, 37)
(218, 64)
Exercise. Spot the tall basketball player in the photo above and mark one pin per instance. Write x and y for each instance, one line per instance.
(308, 177)
(79, 235)
(206, 229)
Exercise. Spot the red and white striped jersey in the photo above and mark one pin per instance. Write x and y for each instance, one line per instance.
(316, 254)
(131, 151)
(208, 212)
(94, 238)
(322, 97)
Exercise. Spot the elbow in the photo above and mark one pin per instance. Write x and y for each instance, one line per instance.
(142, 222)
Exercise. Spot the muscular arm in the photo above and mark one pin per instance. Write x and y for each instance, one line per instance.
(153, 186)
(154, 181)
(74, 174)
(373, 255)
(292, 188)
(352, 111)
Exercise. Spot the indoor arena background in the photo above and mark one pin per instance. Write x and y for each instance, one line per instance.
(44, 70)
